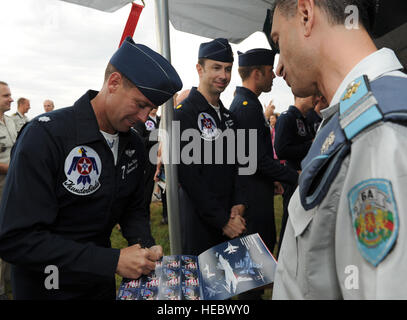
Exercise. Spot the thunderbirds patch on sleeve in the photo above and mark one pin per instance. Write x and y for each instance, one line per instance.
(207, 126)
(150, 125)
(375, 218)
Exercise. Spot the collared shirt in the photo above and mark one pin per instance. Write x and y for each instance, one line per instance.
(19, 120)
(320, 249)
(8, 135)
(377, 64)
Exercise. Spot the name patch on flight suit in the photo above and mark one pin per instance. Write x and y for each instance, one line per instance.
(375, 219)
(82, 169)
(207, 126)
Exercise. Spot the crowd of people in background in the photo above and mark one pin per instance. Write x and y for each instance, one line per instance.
(10, 126)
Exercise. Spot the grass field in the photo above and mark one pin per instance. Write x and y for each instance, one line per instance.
(160, 232)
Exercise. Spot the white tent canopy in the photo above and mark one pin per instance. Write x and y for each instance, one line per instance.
(231, 19)
(234, 19)
(103, 5)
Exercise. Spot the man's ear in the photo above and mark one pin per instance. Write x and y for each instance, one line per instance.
(257, 73)
(306, 12)
(114, 81)
(200, 69)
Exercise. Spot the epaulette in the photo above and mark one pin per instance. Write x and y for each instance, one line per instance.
(362, 105)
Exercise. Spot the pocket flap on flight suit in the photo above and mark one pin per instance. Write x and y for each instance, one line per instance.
(299, 218)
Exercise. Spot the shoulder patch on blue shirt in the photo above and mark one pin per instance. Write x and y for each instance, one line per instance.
(375, 220)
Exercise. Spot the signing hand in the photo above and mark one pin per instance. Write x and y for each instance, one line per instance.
(135, 261)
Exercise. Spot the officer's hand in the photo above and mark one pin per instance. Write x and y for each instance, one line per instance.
(278, 188)
(157, 172)
(237, 209)
(157, 250)
(135, 261)
(235, 227)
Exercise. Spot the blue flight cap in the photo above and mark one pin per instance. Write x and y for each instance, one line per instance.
(150, 72)
(256, 57)
(218, 49)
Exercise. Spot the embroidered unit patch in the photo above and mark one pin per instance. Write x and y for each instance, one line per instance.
(301, 128)
(207, 126)
(374, 218)
(149, 125)
(82, 169)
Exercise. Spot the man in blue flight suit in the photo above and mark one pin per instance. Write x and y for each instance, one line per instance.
(313, 116)
(144, 129)
(76, 186)
(292, 141)
(211, 201)
(256, 71)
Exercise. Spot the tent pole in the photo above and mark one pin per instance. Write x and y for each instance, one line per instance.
(171, 173)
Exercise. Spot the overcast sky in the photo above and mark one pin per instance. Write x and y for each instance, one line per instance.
(55, 50)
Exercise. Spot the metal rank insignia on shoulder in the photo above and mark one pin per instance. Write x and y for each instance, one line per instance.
(358, 108)
(328, 142)
(351, 89)
(245, 103)
(355, 90)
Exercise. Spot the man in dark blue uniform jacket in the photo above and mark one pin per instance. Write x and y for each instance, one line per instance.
(292, 141)
(293, 136)
(144, 129)
(76, 186)
(211, 202)
(256, 71)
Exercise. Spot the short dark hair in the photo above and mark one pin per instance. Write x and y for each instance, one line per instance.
(246, 71)
(111, 69)
(202, 61)
(4, 83)
(21, 100)
(335, 9)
